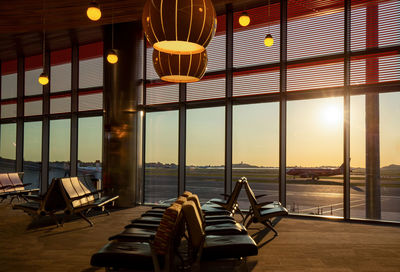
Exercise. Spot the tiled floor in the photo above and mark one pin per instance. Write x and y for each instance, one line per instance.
(302, 245)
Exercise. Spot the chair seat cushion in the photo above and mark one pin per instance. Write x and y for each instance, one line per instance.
(134, 234)
(225, 229)
(130, 255)
(277, 210)
(228, 246)
(28, 206)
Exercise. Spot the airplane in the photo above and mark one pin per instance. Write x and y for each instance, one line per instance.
(315, 173)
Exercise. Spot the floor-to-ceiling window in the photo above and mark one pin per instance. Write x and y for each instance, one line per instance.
(59, 149)
(255, 152)
(8, 137)
(32, 153)
(205, 151)
(90, 137)
(161, 156)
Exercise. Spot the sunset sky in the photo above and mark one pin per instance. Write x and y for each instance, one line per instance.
(314, 133)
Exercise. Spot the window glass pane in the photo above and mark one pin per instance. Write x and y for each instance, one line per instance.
(161, 169)
(389, 115)
(205, 152)
(90, 142)
(60, 76)
(9, 79)
(381, 201)
(33, 69)
(314, 156)
(32, 153)
(256, 149)
(8, 135)
(59, 149)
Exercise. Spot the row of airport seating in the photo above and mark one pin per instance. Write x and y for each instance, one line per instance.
(71, 196)
(182, 233)
(11, 186)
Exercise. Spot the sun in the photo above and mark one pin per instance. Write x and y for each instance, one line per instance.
(332, 114)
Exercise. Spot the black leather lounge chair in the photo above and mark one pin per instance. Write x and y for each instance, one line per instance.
(155, 254)
(49, 204)
(212, 247)
(79, 199)
(262, 212)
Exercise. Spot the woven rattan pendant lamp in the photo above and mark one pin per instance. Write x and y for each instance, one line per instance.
(179, 26)
(180, 68)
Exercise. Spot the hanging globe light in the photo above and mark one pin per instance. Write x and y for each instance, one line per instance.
(112, 56)
(244, 19)
(268, 41)
(179, 26)
(93, 12)
(43, 79)
(180, 68)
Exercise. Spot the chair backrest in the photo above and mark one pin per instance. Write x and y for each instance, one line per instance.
(252, 198)
(80, 185)
(186, 194)
(5, 181)
(194, 224)
(53, 199)
(87, 180)
(234, 195)
(16, 181)
(196, 201)
(163, 240)
(73, 190)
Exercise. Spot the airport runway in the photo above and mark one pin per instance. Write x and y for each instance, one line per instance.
(304, 198)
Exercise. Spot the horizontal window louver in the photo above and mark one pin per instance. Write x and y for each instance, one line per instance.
(207, 88)
(91, 100)
(216, 49)
(9, 109)
(162, 94)
(60, 104)
(151, 74)
(91, 73)
(216, 53)
(315, 77)
(251, 83)
(9, 79)
(248, 42)
(60, 70)
(378, 20)
(315, 31)
(33, 107)
(33, 68)
(372, 69)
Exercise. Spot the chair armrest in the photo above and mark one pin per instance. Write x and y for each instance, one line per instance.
(258, 196)
(34, 197)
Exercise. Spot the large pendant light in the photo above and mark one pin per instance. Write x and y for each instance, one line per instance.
(180, 68)
(179, 26)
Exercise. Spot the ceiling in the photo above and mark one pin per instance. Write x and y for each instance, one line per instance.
(65, 22)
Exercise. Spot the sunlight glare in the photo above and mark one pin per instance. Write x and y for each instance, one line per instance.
(332, 115)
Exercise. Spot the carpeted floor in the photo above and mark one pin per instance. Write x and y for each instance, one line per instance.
(302, 244)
